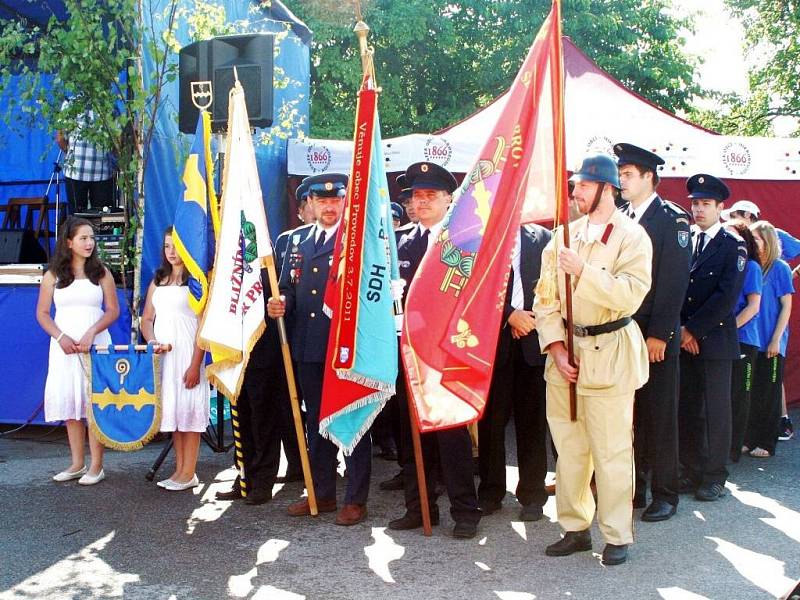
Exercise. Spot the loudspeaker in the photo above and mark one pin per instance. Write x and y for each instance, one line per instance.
(213, 60)
(20, 246)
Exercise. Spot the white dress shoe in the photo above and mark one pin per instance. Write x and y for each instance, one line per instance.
(175, 486)
(164, 483)
(92, 479)
(69, 475)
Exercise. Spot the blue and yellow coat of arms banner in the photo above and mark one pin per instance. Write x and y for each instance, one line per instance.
(124, 409)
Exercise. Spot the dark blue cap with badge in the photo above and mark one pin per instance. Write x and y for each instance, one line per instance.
(628, 154)
(327, 184)
(397, 211)
(301, 193)
(430, 176)
(707, 187)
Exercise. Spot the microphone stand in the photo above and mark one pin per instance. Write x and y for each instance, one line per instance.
(54, 176)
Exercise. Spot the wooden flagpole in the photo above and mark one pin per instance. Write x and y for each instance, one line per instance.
(361, 30)
(558, 97)
(292, 385)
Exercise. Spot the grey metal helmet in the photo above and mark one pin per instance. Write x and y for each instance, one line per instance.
(598, 167)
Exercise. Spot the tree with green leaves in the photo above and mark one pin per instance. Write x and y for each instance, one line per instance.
(94, 57)
(438, 61)
(772, 30)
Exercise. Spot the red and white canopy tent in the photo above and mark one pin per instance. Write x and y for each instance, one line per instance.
(600, 112)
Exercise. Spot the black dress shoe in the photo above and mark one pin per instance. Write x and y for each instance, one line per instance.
(257, 497)
(659, 510)
(687, 485)
(233, 494)
(530, 512)
(614, 554)
(710, 492)
(412, 521)
(465, 530)
(393, 484)
(573, 541)
(489, 506)
(289, 477)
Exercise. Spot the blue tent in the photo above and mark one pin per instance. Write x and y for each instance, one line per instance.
(26, 164)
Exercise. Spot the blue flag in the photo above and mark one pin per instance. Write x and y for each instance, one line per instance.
(361, 365)
(196, 216)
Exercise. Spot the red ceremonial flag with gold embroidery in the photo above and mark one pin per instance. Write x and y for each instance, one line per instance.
(454, 304)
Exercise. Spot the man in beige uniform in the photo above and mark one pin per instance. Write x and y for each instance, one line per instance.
(609, 260)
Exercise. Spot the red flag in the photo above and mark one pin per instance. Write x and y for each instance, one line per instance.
(455, 302)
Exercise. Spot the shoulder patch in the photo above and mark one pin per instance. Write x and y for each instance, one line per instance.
(741, 261)
(683, 238)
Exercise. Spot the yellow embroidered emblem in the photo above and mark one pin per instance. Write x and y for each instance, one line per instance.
(465, 337)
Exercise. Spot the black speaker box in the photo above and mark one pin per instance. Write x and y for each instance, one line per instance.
(20, 246)
(213, 60)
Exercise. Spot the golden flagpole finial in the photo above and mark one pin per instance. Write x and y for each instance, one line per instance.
(361, 30)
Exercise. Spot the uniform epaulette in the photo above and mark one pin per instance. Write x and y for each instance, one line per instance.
(675, 210)
(734, 234)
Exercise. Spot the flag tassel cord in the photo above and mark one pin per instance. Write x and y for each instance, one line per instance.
(292, 385)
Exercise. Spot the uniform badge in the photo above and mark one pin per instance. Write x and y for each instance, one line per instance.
(701, 180)
(683, 239)
(424, 168)
(330, 260)
(344, 354)
(740, 263)
(328, 186)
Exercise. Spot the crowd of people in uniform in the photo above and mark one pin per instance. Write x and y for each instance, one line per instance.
(680, 325)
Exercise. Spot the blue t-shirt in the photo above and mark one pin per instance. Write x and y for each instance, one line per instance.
(748, 333)
(790, 246)
(777, 283)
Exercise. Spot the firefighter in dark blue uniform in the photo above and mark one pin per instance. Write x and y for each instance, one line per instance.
(656, 406)
(709, 342)
(447, 453)
(293, 237)
(304, 277)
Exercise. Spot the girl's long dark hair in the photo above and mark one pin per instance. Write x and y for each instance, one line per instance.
(61, 261)
(743, 229)
(165, 270)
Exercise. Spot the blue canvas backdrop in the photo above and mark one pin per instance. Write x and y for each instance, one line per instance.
(26, 162)
(168, 150)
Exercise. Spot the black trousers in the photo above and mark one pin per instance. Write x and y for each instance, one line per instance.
(741, 393)
(85, 194)
(765, 409)
(705, 418)
(447, 455)
(655, 432)
(322, 452)
(517, 388)
(286, 422)
(258, 418)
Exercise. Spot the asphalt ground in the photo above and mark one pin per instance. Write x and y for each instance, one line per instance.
(127, 538)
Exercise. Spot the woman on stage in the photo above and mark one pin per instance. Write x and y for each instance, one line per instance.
(185, 395)
(85, 298)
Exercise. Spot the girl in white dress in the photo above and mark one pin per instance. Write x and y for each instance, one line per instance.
(168, 319)
(80, 286)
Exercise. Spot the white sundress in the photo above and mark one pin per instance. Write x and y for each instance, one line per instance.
(176, 324)
(78, 307)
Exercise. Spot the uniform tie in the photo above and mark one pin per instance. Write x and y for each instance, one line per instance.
(698, 250)
(320, 241)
